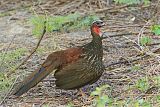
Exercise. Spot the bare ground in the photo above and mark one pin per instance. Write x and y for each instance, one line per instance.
(15, 29)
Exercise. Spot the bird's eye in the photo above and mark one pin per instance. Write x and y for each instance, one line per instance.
(101, 22)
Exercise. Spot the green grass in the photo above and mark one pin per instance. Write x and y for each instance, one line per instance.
(156, 80)
(12, 55)
(61, 23)
(5, 84)
(135, 67)
(9, 62)
(143, 84)
(146, 2)
(10, 58)
(5, 14)
(102, 99)
(145, 40)
(156, 29)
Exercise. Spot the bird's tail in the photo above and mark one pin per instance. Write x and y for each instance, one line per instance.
(33, 79)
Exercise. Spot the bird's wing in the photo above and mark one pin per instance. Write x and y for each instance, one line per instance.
(76, 75)
(53, 61)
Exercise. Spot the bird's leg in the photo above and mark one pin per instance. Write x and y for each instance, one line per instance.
(84, 96)
(82, 93)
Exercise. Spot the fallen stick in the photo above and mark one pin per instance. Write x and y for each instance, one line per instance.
(133, 60)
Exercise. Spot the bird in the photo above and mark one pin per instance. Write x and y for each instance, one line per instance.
(74, 67)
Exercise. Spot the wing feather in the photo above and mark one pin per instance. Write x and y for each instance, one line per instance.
(75, 75)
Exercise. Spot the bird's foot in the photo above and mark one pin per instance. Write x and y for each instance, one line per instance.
(84, 96)
(81, 93)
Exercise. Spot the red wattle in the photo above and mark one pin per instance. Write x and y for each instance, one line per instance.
(96, 29)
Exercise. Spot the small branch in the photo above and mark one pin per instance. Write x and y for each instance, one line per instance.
(126, 26)
(123, 34)
(116, 35)
(126, 61)
(112, 8)
(133, 60)
(34, 50)
(126, 46)
(125, 91)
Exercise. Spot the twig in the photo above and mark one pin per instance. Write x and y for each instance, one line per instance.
(149, 92)
(115, 8)
(141, 32)
(126, 46)
(117, 35)
(126, 26)
(125, 91)
(113, 42)
(133, 60)
(123, 34)
(126, 61)
(34, 50)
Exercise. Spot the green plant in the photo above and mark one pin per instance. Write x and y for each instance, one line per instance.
(11, 57)
(156, 80)
(135, 67)
(45, 105)
(4, 14)
(143, 103)
(5, 84)
(145, 40)
(158, 98)
(100, 98)
(131, 102)
(155, 29)
(38, 24)
(61, 23)
(83, 22)
(143, 84)
(70, 105)
(127, 1)
(146, 2)
(8, 60)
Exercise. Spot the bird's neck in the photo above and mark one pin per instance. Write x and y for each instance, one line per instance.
(96, 34)
(97, 42)
(95, 46)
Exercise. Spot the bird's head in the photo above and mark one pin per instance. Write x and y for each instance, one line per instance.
(95, 28)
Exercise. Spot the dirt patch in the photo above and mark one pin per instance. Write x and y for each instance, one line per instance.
(15, 28)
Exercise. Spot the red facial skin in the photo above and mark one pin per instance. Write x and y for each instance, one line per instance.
(96, 30)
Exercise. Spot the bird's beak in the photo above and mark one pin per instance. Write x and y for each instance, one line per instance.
(103, 24)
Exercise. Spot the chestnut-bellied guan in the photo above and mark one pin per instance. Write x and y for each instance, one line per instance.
(74, 67)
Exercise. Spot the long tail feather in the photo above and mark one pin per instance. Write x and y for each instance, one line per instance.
(33, 79)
